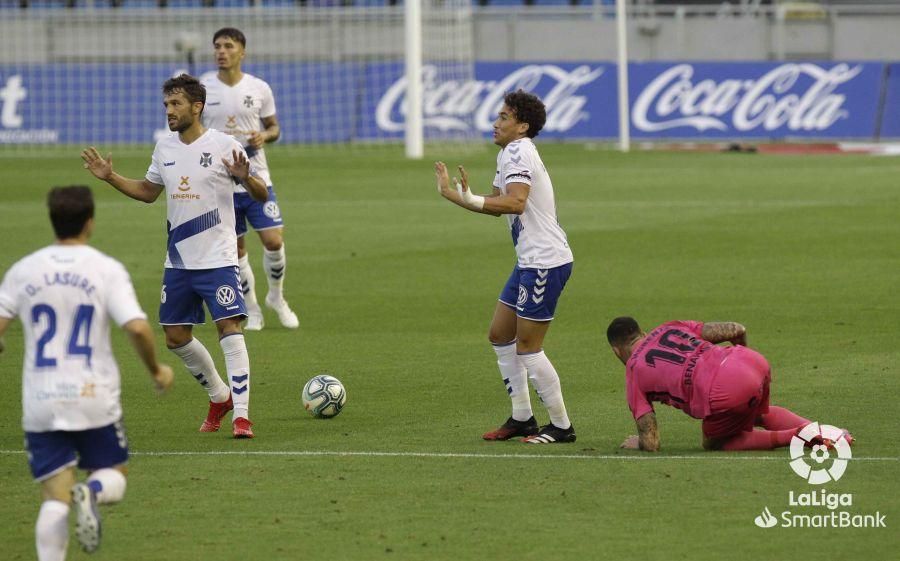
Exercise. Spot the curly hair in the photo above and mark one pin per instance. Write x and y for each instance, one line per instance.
(192, 89)
(528, 108)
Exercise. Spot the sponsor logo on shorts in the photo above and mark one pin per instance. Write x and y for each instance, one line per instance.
(271, 209)
(523, 297)
(225, 295)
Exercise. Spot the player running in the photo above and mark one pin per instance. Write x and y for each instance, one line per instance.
(197, 168)
(243, 106)
(523, 192)
(65, 295)
(680, 364)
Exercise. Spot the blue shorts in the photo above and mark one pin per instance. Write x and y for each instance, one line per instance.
(51, 452)
(185, 290)
(262, 216)
(534, 292)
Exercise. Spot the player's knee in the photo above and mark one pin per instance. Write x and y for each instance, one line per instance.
(273, 243)
(526, 344)
(177, 338)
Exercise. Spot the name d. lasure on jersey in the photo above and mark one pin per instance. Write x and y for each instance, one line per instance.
(70, 279)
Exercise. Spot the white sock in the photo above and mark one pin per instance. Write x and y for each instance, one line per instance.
(200, 364)
(237, 363)
(546, 383)
(108, 485)
(51, 532)
(248, 282)
(275, 263)
(516, 379)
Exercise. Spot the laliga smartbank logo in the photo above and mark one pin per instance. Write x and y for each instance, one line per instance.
(820, 454)
(819, 440)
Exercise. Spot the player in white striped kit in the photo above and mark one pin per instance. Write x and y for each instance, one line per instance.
(523, 192)
(65, 295)
(197, 168)
(243, 106)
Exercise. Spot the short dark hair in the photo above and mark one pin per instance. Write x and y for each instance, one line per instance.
(528, 108)
(192, 88)
(621, 330)
(70, 209)
(231, 33)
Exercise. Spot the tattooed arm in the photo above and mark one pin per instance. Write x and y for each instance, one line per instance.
(647, 438)
(719, 332)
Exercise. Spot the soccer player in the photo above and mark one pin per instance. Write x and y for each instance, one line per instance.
(65, 295)
(194, 169)
(243, 106)
(680, 364)
(523, 192)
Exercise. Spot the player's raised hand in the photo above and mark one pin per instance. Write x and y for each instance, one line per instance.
(469, 199)
(443, 179)
(240, 167)
(163, 378)
(94, 163)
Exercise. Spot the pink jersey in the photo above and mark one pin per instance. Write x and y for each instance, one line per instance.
(675, 366)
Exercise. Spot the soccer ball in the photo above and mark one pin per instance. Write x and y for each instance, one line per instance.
(324, 396)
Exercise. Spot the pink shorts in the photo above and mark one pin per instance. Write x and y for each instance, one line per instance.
(739, 394)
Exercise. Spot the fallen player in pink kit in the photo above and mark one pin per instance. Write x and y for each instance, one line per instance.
(679, 364)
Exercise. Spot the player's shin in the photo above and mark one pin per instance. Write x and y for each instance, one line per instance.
(759, 440)
(546, 383)
(200, 364)
(275, 263)
(779, 418)
(516, 380)
(237, 363)
(51, 532)
(108, 485)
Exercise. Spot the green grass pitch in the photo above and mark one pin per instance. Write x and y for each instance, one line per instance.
(395, 288)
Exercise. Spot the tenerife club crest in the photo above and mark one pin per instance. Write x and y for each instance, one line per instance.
(206, 159)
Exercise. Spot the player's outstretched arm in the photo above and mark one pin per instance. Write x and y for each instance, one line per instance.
(141, 337)
(459, 193)
(720, 332)
(239, 168)
(647, 438)
(101, 168)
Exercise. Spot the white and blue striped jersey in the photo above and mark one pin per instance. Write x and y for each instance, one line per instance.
(238, 111)
(65, 296)
(539, 240)
(199, 199)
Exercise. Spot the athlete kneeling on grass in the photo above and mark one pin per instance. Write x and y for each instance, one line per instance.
(679, 363)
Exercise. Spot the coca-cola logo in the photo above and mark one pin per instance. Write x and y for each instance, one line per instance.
(469, 105)
(800, 97)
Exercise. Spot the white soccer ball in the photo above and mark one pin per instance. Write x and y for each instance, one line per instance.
(324, 396)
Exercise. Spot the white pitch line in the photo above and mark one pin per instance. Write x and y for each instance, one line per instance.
(469, 455)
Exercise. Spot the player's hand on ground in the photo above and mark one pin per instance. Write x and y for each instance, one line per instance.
(631, 443)
(240, 167)
(256, 139)
(443, 178)
(94, 163)
(163, 379)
